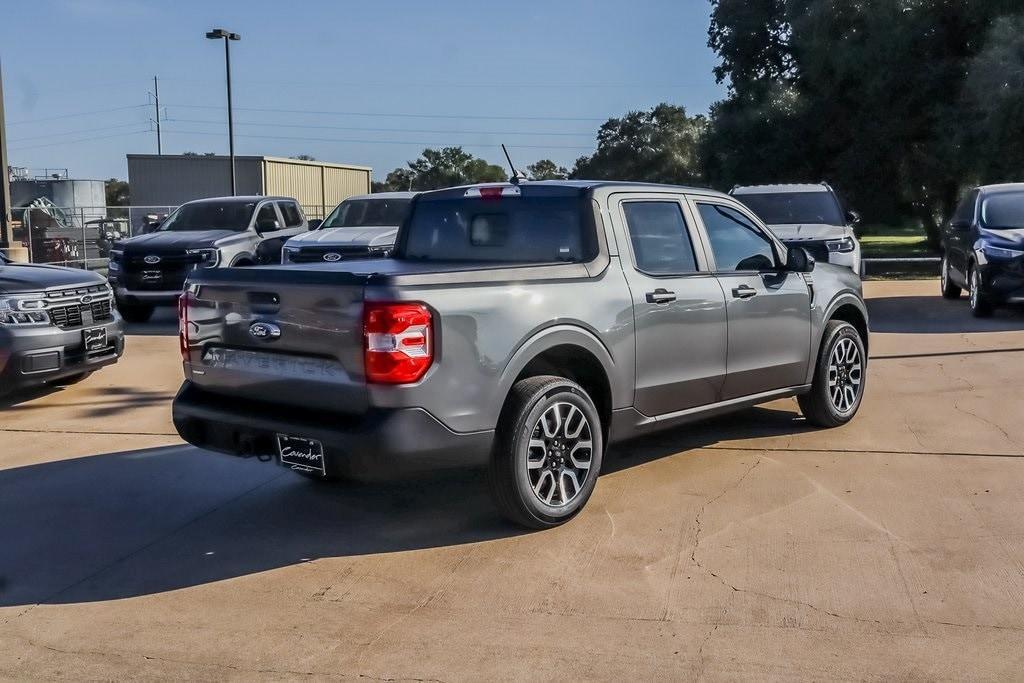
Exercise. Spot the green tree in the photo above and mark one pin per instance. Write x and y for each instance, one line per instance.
(659, 146)
(439, 168)
(545, 169)
(117, 192)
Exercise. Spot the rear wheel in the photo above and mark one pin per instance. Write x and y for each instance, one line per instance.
(839, 377)
(950, 290)
(547, 452)
(981, 307)
(135, 313)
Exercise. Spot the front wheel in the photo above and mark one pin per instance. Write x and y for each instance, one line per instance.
(981, 307)
(950, 290)
(547, 454)
(839, 377)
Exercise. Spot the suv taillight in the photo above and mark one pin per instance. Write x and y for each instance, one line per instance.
(397, 341)
(183, 302)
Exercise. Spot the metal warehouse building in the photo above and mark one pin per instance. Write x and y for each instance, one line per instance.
(159, 182)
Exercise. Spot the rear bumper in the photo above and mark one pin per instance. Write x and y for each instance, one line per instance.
(31, 356)
(379, 444)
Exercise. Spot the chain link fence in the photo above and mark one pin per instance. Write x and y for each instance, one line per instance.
(82, 236)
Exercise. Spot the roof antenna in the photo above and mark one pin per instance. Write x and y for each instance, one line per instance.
(516, 177)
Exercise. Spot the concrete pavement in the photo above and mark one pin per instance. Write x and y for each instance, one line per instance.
(750, 546)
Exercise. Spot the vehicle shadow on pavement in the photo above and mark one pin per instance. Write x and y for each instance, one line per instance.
(933, 315)
(96, 402)
(135, 523)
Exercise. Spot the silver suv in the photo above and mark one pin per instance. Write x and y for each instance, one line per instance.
(811, 216)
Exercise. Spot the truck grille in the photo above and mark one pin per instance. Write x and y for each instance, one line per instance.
(347, 253)
(74, 315)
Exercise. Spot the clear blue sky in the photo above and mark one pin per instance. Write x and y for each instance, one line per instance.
(560, 68)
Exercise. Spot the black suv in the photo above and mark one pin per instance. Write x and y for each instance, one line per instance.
(983, 248)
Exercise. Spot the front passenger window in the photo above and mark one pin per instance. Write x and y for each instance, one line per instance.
(738, 244)
(266, 219)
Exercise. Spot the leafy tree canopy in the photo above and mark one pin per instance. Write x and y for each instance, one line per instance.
(437, 168)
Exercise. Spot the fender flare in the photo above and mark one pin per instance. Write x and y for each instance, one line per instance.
(565, 334)
(244, 256)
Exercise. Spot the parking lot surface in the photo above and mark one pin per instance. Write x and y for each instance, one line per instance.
(748, 546)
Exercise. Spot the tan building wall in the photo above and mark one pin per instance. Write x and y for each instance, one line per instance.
(319, 187)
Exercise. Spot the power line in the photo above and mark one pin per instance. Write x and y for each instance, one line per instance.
(81, 113)
(379, 142)
(396, 115)
(384, 130)
(74, 142)
(79, 131)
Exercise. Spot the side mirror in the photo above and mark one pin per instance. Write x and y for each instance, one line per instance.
(315, 223)
(852, 217)
(798, 260)
(266, 224)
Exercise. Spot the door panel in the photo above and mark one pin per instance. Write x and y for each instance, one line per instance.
(768, 309)
(678, 306)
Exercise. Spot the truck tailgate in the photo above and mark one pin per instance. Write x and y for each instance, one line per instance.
(280, 336)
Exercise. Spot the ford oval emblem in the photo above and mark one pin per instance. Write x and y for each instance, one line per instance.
(332, 256)
(87, 299)
(264, 331)
(151, 259)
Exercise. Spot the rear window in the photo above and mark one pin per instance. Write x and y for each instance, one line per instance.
(782, 208)
(523, 229)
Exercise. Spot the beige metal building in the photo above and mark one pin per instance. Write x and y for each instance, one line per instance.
(159, 182)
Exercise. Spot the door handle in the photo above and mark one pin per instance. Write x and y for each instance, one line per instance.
(744, 292)
(660, 296)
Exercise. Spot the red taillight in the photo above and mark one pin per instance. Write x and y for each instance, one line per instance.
(397, 341)
(183, 301)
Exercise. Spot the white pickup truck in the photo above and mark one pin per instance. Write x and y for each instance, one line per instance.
(360, 227)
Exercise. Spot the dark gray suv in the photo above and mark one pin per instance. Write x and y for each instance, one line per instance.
(523, 327)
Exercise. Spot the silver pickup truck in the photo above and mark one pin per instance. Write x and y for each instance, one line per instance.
(523, 327)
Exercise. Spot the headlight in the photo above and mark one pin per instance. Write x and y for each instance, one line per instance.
(207, 258)
(23, 311)
(843, 246)
(1000, 252)
(286, 254)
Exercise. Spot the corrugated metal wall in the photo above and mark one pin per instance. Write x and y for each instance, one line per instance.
(318, 187)
(172, 180)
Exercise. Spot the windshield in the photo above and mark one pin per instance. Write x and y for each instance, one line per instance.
(1003, 211)
(360, 213)
(509, 230)
(210, 216)
(781, 208)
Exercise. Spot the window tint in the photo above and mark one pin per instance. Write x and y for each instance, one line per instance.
(266, 218)
(735, 241)
(523, 229)
(782, 208)
(965, 211)
(290, 213)
(661, 242)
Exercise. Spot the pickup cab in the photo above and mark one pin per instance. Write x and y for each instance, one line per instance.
(149, 270)
(523, 328)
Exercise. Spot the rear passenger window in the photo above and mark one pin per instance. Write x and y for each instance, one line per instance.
(661, 242)
(290, 213)
(736, 242)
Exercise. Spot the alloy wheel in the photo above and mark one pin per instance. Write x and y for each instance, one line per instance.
(845, 375)
(559, 455)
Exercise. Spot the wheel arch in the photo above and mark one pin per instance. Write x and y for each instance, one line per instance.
(570, 352)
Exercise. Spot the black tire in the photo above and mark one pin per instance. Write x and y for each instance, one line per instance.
(981, 306)
(819, 405)
(509, 474)
(950, 290)
(135, 313)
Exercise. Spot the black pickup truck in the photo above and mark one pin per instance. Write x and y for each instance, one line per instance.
(56, 324)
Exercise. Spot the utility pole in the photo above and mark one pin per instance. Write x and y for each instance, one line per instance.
(156, 102)
(6, 233)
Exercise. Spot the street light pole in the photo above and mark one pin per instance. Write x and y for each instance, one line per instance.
(227, 36)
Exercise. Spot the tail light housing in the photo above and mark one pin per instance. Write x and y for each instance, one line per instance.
(183, 303)
(398, 342)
